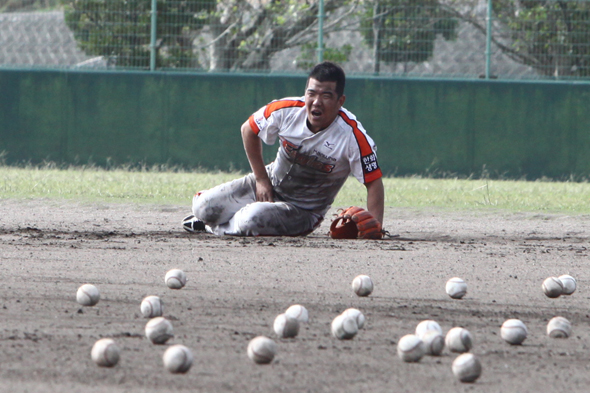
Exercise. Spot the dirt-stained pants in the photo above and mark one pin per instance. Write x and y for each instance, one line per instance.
(231, 209)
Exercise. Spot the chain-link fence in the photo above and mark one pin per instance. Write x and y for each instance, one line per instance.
(418, 38)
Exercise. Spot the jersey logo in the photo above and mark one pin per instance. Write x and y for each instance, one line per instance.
(314, 162)
(329, 145)
(370, 163)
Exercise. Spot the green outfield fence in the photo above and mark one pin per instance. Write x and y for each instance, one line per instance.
(454, 127)
(505, 39)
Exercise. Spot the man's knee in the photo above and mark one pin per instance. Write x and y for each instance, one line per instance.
(253, 218)
(205, 208)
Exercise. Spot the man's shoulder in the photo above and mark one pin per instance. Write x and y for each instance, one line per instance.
(349, 122)
(284, 103)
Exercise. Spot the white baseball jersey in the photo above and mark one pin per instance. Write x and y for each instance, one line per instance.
(310, 169)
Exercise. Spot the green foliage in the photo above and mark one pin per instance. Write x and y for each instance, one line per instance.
(308, 56)
(405, 30)
(551, 36)
(120, 29)
(27, 5)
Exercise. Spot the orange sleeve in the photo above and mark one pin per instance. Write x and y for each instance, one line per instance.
(253, 125)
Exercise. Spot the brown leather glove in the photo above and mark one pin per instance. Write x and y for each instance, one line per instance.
(356, 223)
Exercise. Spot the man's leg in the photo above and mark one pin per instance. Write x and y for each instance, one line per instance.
(270, 219)
(219, 204)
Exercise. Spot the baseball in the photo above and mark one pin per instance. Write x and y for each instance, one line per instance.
(285, 326)
(178, 359)
(175, 279)
(362, 285)
(459, 340)
(513, 331)
(262, 350)
(410, 348)
(427, 325)
(158, 330)
(569, 284)
(466, 367)
(559, 327)
(88, 295)
(298, 312)
(552, 287)
(344, 327)
(356, 315)
(105, 352)
(434, 342)
(151, 307)
(456, 288)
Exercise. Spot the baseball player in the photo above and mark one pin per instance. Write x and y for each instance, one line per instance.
(321, 144)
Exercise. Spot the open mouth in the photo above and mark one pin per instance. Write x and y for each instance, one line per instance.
(316, 113)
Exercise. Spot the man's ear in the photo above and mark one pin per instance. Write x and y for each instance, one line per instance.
(341, 100)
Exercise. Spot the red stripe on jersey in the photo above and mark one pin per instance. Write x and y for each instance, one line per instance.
(276, 105)
(364, 146)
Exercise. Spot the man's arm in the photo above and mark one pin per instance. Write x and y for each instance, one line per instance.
(253, 147)
(375, 199)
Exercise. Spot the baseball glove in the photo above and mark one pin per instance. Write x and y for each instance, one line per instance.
(355, 223)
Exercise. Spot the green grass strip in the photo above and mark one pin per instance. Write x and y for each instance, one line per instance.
(169, 187)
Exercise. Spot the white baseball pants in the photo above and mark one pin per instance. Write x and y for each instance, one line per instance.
(231, 209)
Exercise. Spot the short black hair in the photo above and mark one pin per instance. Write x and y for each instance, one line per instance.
(329, 72)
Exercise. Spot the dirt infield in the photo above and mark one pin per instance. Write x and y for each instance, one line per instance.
(237, 286)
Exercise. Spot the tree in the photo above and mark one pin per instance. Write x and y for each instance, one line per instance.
(27, 5)
(403, 31)
(552, 36)
(248, 33)
(119, 30)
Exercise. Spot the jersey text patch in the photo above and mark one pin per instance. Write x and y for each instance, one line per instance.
(370, 163)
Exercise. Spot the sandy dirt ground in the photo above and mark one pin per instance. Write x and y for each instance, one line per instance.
(237, 286)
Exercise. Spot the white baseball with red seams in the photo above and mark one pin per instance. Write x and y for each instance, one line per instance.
(159, 330)
(151, 307)
(513, 331)
(105, 352)
(552, 287)
(261, 350)
(456, 288)
(425, 326)
(286, 326)
(357, 315)
(569, 284)
(466, 367)
(177, 359)
(298, 312)
(434, 342)
(459, 340)
(411, 348)
(175, 279)
(362, 285)
(559, 327)
(344, 327)
(88, 295)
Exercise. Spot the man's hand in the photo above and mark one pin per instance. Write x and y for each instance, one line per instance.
(264, 190)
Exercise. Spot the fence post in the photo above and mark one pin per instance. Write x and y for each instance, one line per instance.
(153, 35)
(321, 31)
(488, 39)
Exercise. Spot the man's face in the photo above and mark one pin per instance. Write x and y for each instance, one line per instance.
(322, 104)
